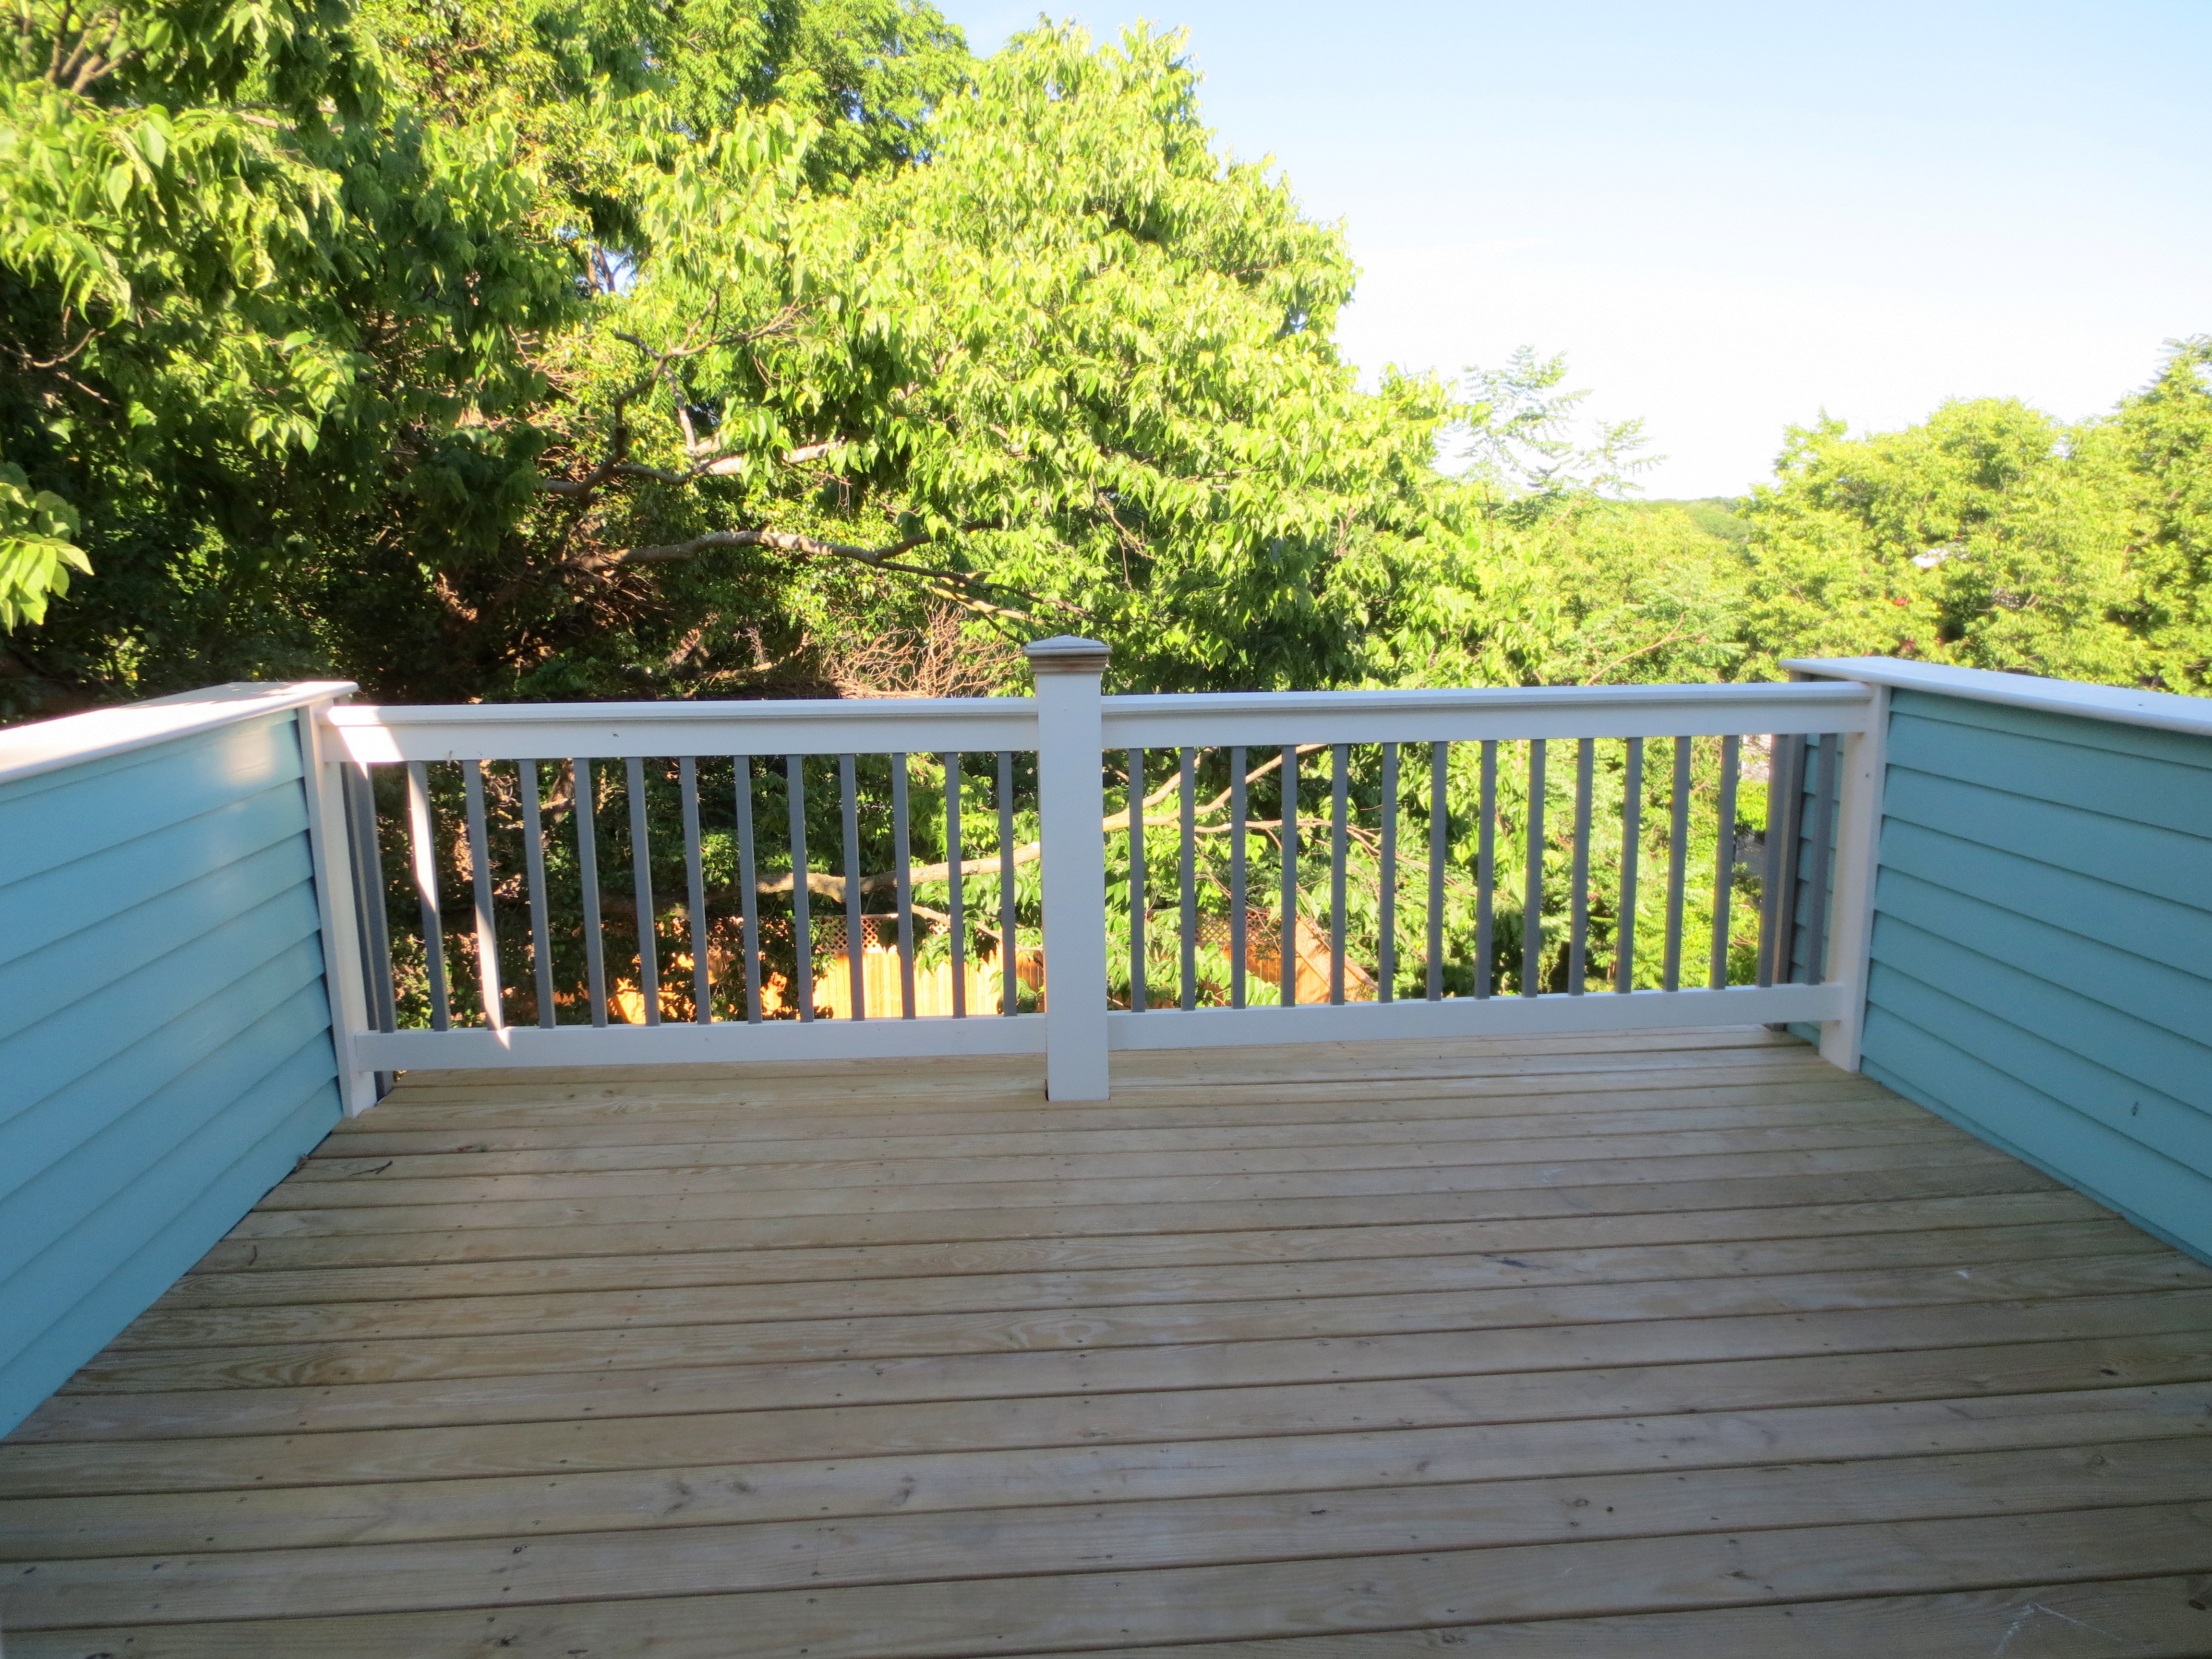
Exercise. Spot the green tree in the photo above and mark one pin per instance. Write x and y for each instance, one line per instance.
(1996, 537)
(1071, 371)
(764, 331)
(2162, 440)
(231, 276)
(280, 329)
(1546, 573)
(1848, 542)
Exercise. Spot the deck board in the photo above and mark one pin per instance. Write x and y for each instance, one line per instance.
(1669, 1343)
(646, 1264)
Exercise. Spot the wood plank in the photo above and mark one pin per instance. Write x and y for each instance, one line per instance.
(629, 1307)
(379, 1133)
(855, 1430)
(1003, 1073)
(1039, 1136)
(1166, 1062)
(1300, 1096)
(528, 1096)
(2111, 1619)
(655, 1268)
(655, 1201)
(389, 1180)
(682, 1560)
(893, 1335)
(1382, 1592)
(695, 1494)
(1294, 1100)
(1016, 1080)
(1272, 1348)
(602, 1395)
(255, 1247)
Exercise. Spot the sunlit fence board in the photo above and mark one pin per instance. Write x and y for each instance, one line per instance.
(2042, 968)
(165, 1046)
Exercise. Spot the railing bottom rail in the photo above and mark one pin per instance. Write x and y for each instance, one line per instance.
(1556, 1014)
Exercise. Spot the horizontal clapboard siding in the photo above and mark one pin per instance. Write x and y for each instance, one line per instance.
(2042, 970)
(165, 1047)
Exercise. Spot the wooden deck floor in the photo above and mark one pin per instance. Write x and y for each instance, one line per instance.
(1678, 1346)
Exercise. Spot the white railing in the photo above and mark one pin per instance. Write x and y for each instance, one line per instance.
(1027, 802)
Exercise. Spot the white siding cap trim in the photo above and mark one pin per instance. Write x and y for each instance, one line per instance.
(2166, 710)
(74, 739)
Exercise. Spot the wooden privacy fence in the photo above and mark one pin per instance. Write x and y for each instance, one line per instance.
(626, 883)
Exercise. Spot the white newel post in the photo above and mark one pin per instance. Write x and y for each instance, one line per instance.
(1071, 811)
(1858, 858)
(329, 839)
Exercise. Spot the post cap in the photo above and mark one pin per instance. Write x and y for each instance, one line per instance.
(1067, 653)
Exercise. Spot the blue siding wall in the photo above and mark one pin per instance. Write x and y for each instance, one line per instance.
(1814, 825)
(2042, 970)
(165, 1045)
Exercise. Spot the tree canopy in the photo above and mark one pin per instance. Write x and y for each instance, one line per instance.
(555, 349)
(1996, 537)
(504, 349)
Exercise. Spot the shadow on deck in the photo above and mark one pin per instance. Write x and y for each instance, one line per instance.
(1649, 1346)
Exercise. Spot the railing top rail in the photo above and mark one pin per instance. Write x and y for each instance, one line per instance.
(2124, 705)
(561, 731)
(674, 710)
(554, 731)
(1455, 699)
(77, 739)
(1502, 712)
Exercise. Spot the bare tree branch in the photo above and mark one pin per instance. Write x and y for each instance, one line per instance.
(783, 541)
(1663, 639)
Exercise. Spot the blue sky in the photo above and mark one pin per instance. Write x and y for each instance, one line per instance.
(1733, 216)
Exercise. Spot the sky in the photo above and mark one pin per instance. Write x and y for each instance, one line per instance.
(1733, 218)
